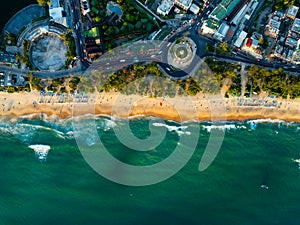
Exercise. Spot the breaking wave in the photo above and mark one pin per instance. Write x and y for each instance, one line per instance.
(179, 129)
(208, 128)
(41, 151)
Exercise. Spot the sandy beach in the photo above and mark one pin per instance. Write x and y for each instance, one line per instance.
(200, 107)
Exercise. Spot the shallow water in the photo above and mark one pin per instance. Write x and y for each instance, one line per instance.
(64, 189)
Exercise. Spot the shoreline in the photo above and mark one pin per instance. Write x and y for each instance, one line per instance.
(178, 109)
(55, 119)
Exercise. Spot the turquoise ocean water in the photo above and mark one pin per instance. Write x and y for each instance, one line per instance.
(65, 190)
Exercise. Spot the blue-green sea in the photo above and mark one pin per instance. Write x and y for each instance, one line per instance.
(66, 190)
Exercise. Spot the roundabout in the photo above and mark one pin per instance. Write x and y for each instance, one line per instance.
(182, 53)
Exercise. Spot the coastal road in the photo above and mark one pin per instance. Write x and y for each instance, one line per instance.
(79, 40)
(116, 63)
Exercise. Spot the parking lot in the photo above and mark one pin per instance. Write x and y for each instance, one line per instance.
(7, 80)
(6, 58)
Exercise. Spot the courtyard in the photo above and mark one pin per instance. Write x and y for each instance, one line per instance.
(48, 52)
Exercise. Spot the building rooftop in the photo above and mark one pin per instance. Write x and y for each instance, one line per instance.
(223, 29)
(249, 42)
(230, 34)
(56, 13)
(296, 26)
(278, 49)
(225, 8)
(165, 7)
(292, 11)
(252, 8)
(218, 13)
(212, 24)
(291, 41)
(209, 26)
(274, 23)
(185, 3)
(239, 41)
(254, 42)
(238, 17)
(54, 4)
(296, 58)
(234, 4)
(239, 8)
(194, 8)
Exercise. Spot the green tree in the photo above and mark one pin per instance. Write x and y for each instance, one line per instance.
(43, 2)
(283, 4)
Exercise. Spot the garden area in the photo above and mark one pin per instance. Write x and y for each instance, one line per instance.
(226, 74)
(25, 57)
(146, 80)
(58, 85)
(122, 20)
(283, 4)
(222, 48)
(71, 53)
(274, 82)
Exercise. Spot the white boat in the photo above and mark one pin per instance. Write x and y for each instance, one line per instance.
(264, 186)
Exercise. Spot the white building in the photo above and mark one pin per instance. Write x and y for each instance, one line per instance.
(239, 41)
(194, 9)
(165, 7)
(56, 13)
(222, 31)
(184, 4)
(241, 14)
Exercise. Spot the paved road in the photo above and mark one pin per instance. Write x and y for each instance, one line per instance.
(79, 40)
(114, 63)
(159, 54)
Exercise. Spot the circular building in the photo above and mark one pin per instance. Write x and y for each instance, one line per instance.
(48, 51)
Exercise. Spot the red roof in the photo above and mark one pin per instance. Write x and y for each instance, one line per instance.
(249, 42)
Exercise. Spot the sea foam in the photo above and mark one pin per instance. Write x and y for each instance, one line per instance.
(223, 127)
(180, 130)
(41, 151)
